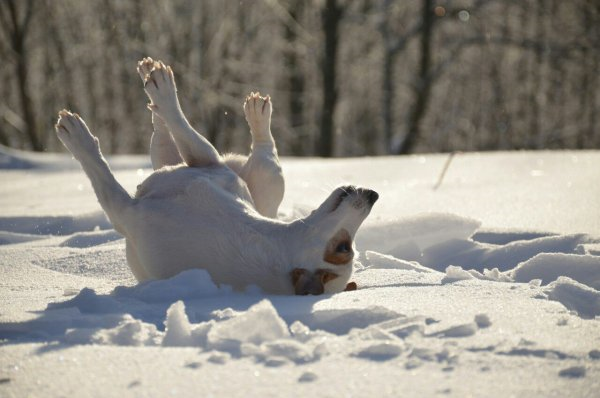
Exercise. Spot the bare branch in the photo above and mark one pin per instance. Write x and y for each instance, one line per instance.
(288, 20)
(28, 15)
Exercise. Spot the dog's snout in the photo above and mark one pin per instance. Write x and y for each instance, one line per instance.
(364, 195)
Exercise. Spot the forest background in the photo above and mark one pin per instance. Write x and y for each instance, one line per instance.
(347, 77)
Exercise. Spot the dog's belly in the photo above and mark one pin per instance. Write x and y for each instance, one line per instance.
(194, 218)
(172, 181)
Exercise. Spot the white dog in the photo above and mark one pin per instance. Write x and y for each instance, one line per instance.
(202, 210)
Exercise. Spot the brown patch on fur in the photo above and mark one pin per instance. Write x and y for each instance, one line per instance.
(325, 276)
(350, 287)
(339, 249)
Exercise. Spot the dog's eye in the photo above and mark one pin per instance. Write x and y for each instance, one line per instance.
(343, 247)
(339, 249)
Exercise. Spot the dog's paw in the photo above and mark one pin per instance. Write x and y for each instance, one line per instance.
(74, 134)
(258, 111)
(159, 84)
(144, 67)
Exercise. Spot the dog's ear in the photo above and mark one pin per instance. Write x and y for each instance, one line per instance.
(350, 287)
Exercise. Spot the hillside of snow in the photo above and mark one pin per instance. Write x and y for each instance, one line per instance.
(486, 285)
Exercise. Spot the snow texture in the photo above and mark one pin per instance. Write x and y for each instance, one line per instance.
(494, 276)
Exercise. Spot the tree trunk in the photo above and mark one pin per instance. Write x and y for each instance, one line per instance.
(536, 128)
(296, 81)
(17, 31)
(388, 98)
(422, 89)
(589, 72)
(331, 17)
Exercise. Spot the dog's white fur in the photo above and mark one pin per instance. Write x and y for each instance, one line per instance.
(202, 210)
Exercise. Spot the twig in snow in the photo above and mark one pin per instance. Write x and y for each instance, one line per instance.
(444, 170)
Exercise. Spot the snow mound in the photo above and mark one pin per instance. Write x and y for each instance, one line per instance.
(10, 238)
(455, 274)
(129, 332)
(470, 254)
(381, 351)
(341, 321)
(89, 302)
(481, 321)
(14, 159)
(89, 239)
(407, 237)
(56, 225)
(548, 267)
(190, 284)
(102, 261)
(382, 261)
(575, 296)
(463, 330)
(258, 332)
(260, 324)
(500, 237)
(178, 331)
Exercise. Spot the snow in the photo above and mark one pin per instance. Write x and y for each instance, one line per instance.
(550, 266)
(492, 277)
(584, 300)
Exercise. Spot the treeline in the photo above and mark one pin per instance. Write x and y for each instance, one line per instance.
(347, 77)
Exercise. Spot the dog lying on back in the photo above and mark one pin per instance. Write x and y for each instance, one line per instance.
(203, 210)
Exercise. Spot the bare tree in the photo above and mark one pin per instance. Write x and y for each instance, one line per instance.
(15, 18)
(331, 17)
(295, 77)
(422, 84)
(394, 43)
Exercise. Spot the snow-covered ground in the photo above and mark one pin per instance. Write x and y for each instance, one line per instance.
(486, 286)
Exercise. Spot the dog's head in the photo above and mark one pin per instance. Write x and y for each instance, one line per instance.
(324, 262)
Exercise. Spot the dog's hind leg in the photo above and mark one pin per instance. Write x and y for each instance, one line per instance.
(160, 86)
(113, 198)
(163, 150)
(262, 171)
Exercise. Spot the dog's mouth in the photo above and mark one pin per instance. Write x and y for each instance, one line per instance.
(360, 197)
(311, 283)
(307, 283)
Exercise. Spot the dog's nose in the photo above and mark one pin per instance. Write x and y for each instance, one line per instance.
(372, 196)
